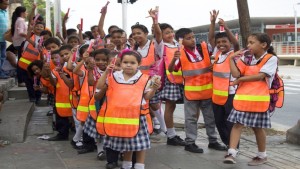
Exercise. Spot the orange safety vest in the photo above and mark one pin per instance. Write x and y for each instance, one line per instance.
(46, 82)
(148, 61)
(252, 96)
(197, 76)
(74, 98)
(62, 97)
(119, 115)
(86, 94)
(221, 79)
(29, 55)
(173, 77)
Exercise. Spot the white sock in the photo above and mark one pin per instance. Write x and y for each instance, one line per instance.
(78, 133)
(233, 152)
(160, 116)
(99, 146)
(126, 164)
(262, 154)
(139, 166)
(171, 132)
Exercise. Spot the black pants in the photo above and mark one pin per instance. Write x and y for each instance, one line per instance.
(221, 113)
(33, 95)
(87, 141)
(62, 125)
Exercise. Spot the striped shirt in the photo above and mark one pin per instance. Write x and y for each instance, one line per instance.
(3, 24)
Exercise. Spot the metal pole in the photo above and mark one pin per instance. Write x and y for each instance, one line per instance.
(124, 14)
(48, 14)
(296, 27)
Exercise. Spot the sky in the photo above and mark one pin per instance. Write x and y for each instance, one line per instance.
(178, 13)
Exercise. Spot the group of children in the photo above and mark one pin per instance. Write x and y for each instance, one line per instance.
(111, 86)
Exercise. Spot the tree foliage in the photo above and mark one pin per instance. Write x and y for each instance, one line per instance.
(41, 5)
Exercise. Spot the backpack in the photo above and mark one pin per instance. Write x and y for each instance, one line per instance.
(276, 93)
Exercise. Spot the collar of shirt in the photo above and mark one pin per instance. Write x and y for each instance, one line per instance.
(172, 45)
(146, 45)
(191, 57)
(254, 60)
(120, 77)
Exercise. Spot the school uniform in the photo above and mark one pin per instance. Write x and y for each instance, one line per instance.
(139, 142)
(256, 119)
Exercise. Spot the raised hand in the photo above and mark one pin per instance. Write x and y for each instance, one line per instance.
(213, 15)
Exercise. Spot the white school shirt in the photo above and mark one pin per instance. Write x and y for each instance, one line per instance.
(159, 48)
(269, 68)
(222, 57)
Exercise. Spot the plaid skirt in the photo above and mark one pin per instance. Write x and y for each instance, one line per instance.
(90, 128)
(140, 142)
(173, 92)
(250, 119)
(155, 98)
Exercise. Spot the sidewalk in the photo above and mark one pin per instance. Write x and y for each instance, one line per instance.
(40, 154)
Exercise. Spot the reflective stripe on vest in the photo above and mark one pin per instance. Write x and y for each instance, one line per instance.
(179, 73)
(220, 92)
(144, 67)
(198, 88)
(195, 72)
(221, 74)
(83, 108)
(112, 120)
(252, 98)
(63, 105)
(25, 61)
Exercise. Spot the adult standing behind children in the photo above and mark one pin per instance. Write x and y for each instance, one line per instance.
(223, 93)
(196, 71)
(253, 71)
(3, 27)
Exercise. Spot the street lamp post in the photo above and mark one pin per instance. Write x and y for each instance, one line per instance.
(296, 28)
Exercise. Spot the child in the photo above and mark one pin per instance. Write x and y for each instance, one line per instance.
(73, 40)
(60, 78)
(223, 93)
(129, 81)
(52, 44)
(29, 54)
(173, 88)
(151, 52)
(254, 71)
(65, 52)
(197, 76)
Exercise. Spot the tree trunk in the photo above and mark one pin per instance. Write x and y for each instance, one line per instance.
(244, 20)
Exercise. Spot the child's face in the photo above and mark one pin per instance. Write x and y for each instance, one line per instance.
(52, 47)
(38, 28)
(255, 46)
(116, 39)
(95, 32)
(168, 35)
(36, 70)
(129, 64)
(65, 54)
(189, 40)
(101, 61)
(45, 37)
(73, 42)
(138, 35)
(223, 44)
(57, 60)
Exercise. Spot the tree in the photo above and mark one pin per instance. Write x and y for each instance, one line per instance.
(41, 5)
(244, 20)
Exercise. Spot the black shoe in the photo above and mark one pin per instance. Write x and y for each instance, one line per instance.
(217, 146)
(85, 150)
(193, 148)
(73, 143)
(175, 141)
(112, 165)
(58, 138)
